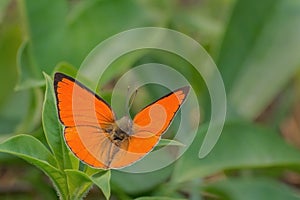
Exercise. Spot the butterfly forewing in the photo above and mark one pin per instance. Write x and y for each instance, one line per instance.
(77, 105)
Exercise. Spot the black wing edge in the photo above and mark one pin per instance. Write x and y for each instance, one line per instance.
(184, 89)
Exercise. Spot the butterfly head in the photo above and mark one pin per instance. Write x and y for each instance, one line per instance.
(125, 125)
(120, 131)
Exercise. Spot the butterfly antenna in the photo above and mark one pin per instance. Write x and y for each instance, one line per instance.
(131, 99)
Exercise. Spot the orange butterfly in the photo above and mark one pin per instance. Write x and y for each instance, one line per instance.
(95, 136)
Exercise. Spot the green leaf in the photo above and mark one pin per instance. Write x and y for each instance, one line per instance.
(102, 180)
(241, 145)
(29, 147)
(16, 117)
(249, 189)
(34, 152)
(52, 127)
(241, 35)
(29, 73)
(78, 183)
(258, 50)
(73, 160)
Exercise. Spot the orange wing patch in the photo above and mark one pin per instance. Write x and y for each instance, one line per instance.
(85, 148)
(156, 117)
(77, 105)
(152, 121)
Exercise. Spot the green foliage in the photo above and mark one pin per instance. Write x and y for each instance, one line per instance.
(255, 45)
(260, 46)
(250, 145)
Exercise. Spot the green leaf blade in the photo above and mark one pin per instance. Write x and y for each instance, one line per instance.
(52, 127)
(34, 152)
(80, 183)
(102, 180)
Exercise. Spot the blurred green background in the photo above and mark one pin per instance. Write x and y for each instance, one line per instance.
(256, 46)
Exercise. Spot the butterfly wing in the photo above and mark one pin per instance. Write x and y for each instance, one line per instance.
(156, 117)
(149, 124)
(86, 118)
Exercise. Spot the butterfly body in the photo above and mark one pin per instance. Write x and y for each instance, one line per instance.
(120, 131)
(97, 138)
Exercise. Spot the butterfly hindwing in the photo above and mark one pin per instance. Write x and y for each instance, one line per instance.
(84, 146)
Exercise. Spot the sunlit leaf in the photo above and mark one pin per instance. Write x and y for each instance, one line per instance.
(102, 180)
(78, 183)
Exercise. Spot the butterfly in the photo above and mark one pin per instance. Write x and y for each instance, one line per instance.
(97, 138)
